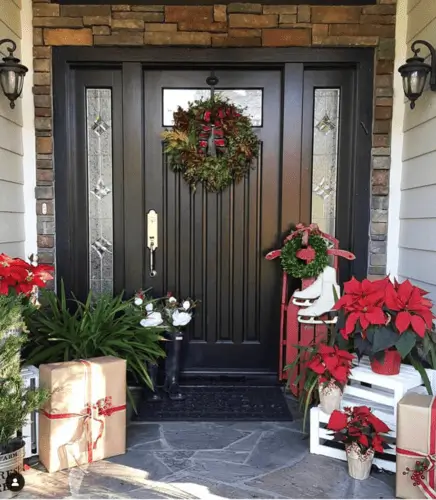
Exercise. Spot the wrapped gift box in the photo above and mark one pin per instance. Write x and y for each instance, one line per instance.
(416, 442)
(85, 419)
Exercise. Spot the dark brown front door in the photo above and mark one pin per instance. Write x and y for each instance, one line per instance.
(212, 246)
(313, 122)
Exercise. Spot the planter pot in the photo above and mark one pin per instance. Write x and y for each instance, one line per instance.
(330, 397)
(390, 366)
(9, 463)
(135, 394)
(359, 466)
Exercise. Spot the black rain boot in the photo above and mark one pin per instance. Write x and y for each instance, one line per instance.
(153, 371)
(172, 367)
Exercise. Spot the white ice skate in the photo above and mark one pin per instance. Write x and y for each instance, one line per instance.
(306, 297)
(321, 306)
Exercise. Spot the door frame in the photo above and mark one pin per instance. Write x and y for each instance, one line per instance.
(291, 61)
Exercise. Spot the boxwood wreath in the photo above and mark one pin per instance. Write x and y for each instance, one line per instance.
(212, 143)
(299, 268)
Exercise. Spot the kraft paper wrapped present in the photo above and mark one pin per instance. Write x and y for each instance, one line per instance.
(416, 447)
(85, 419)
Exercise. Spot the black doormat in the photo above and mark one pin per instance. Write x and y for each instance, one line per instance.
(220, 403)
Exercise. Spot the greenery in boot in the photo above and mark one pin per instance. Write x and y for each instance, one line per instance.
(16, 402)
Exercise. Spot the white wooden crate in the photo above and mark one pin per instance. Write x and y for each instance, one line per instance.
(29, 432)
(320, 438)
(385, 390)
(382, 395)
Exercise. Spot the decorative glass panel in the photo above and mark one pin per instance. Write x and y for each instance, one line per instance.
(173, 98)
(249, 99)
(99, 158)
(325, 158)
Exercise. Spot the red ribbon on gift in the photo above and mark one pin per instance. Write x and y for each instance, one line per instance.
(102, 408)
(425, 480)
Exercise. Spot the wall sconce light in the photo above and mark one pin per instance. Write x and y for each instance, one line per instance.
(415, 72)
(11, 73)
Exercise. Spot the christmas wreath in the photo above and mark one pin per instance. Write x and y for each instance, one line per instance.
(212, 143)
(304, 261)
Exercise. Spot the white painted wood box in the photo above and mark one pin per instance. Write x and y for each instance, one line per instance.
(366, 388)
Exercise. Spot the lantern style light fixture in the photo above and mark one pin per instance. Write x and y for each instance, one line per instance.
(11, 73)
(416, 70)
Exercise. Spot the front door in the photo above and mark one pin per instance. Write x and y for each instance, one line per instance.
(211, 247)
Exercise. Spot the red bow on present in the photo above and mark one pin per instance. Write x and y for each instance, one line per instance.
(424, 474)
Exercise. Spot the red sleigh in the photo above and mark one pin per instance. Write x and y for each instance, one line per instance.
(292, 332)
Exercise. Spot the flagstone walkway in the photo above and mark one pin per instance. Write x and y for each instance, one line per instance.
(180, 460)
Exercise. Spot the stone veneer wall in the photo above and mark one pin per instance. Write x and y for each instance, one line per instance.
(234, 25)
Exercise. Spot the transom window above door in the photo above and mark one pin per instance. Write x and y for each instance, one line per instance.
(250, 99)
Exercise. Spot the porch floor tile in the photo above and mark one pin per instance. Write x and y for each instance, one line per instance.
(185, 460)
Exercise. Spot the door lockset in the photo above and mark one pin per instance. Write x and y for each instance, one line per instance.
(152, 239)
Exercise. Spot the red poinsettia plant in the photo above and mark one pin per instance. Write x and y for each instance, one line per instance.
(384, 315)
(332, 365)
(321, 363)
(359, 428)
(19, 277)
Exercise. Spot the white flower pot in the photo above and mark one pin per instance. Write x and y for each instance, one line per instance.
(359, 466)
(330, 397)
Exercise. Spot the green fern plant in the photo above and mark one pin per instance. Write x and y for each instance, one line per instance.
(65, 330)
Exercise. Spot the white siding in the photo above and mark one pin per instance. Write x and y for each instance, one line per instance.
(12, 216)
(417, 239)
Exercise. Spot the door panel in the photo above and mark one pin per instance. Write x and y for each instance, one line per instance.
(213, 245)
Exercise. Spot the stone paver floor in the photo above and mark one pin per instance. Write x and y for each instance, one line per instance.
(180, 460)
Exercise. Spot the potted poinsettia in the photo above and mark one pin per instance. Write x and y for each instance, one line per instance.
(18, 283)
(361, 432)
(333, 367)
(321, 370)
(387, 320)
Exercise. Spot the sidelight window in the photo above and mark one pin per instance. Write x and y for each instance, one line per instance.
(325, 158)
(100, 199)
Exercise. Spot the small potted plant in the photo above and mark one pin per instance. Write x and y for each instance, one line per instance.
(361, 432)
(321, 370)
(16, 401)
(387, 320)
(333, 367)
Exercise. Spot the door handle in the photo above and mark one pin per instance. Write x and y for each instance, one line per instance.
(152, 241)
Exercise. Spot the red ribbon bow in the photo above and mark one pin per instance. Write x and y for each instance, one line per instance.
(304, 232)
(216, 130)
(308, 253)
(423, 475)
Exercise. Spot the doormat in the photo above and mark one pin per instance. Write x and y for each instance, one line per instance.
(220, 403)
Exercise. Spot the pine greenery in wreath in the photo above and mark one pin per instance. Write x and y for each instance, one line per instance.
(299, 268)
(212, 143)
